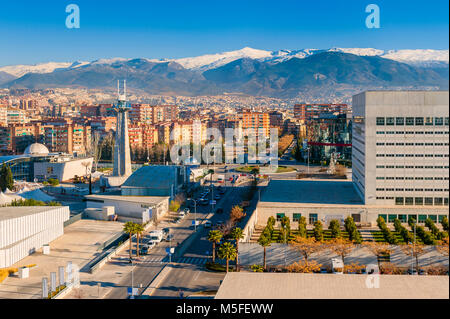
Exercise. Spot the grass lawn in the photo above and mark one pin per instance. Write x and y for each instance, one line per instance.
(284, 169)
(246, 169)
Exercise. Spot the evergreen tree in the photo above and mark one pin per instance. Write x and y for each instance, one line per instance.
(6, 178)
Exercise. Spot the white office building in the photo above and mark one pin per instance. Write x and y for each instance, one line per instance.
(400, 150)
(24, 230)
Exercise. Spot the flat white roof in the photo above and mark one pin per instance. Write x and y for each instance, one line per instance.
(135, 199)
(20, 211)
(330, 286)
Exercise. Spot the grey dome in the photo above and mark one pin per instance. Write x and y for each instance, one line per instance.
(36, 149)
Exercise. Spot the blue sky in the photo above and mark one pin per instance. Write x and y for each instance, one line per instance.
(32, 32)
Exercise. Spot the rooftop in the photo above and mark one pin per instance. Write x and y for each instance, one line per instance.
(153, 176)
(20, 211)
(150, 200)
(311, 192)
(330, 286)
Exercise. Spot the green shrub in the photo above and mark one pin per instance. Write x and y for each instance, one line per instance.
(432, 227)
(302, 227)
(388, 235)
(53, 181)
(444, 223)
(318, 231)
(406, 234)
(218, 267)
(335, 228)
(257, 268)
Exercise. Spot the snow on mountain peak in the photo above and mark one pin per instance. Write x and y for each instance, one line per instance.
(209, 61)
(420, 57)
(21, 70)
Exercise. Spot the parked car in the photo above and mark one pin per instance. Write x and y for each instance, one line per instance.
(204, 202)
(208, 224)
(156, 236)
(187, 211)
(217, 197)
(169, 237)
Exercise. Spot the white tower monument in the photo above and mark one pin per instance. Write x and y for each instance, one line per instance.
(122, 158)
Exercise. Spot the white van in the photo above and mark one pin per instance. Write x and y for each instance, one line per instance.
(156, 236)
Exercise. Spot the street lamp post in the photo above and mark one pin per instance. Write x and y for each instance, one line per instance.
(285, 246)
(132, 280)
(170, 248)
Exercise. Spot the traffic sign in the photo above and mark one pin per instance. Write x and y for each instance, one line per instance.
(132, 291)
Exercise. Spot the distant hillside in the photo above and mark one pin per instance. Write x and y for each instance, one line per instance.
(327, 70)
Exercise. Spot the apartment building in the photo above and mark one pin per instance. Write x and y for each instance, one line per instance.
(152, 114)
(142, 135)
(14, 138)
(401, 147)
(187, 131)
(67, 138)
(259, 122)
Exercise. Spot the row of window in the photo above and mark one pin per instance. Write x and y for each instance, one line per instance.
(296, 217)
(417, 178)
(412, 144)
(412, 155)
(412, 121)
(412, 132)
(412, 190)
(390, 218)
(428, 201)
(411, 166)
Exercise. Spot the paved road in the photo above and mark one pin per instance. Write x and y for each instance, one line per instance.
(145, 270)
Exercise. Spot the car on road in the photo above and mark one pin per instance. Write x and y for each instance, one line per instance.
(187, 211)
(208, 224)
(217, 197)
(204, 202)
(156, 235)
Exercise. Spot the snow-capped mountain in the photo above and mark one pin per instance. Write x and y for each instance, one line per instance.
(21, 70)
(419, 57)
(212, 61)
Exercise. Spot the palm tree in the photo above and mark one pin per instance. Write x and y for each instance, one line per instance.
(228, 252)
(264, 241)
(214, 237)
(130, 229)
(139, 230)
(237, 234)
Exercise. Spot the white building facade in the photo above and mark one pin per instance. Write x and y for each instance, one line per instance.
(400, 148)
(24, 230)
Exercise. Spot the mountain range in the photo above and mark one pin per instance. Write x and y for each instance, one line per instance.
(282, 73)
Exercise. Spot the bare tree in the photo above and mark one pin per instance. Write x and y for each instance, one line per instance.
(96, 148)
